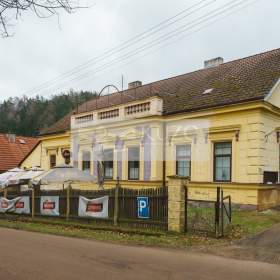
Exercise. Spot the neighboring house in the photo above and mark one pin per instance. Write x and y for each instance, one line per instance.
(219, 126)
(54, 146)
(13, 149)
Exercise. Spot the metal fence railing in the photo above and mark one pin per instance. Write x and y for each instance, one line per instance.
(211, 216)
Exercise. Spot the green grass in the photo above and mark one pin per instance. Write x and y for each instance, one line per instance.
(244, 223)
(252, 222)
(122, 236)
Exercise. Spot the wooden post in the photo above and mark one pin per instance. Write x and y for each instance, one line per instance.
(217, 212)
(68, 202)
(5, 192)
(33, 202)
(116, 207)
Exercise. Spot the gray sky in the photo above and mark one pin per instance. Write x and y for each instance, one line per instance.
(42, 49)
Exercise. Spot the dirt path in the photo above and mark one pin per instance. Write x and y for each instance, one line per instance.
(262, 247)
(33, 256)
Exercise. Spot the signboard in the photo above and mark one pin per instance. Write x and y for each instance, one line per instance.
(143, 207)
(95, 208)
(49, 205)
(18, 205)
(66, 155)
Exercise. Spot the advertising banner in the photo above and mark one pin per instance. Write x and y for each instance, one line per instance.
(94, 208)
(18, 205)
(49, 205)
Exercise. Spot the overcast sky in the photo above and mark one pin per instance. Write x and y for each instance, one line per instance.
(42, 49)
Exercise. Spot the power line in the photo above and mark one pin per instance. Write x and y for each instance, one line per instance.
(132, 41)
(165, 37)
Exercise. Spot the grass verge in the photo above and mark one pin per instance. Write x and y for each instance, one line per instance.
(251, 222)
(244, 223)
(106, 233)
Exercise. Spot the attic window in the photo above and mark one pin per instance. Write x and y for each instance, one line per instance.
(209, 90)
(21, 141)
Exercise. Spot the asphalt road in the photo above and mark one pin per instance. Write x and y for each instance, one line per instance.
(33, 256)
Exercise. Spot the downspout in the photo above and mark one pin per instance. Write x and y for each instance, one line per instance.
(164, 153)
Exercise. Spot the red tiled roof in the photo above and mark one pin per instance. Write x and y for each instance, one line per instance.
(13, 151)
(234, 82)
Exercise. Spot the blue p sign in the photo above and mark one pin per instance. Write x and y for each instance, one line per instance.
(143, 207)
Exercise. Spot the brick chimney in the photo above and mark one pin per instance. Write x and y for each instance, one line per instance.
(213, 62)
(134, 84)
(11, 137)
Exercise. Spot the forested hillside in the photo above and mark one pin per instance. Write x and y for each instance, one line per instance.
(27, 116)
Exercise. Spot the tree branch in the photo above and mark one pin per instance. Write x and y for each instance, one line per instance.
(11, 10)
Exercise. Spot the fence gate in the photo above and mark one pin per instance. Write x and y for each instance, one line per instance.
(210, 216)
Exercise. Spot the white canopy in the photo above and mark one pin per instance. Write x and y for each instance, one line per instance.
(18, 176)
(4, 177)
(25, 176)
(62, 174)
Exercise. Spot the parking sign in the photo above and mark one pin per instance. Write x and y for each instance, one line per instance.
(143, 207)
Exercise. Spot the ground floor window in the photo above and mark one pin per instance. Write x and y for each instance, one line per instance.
(133, 163)
(183, 160)
(86, 161)
(108, 163)
(52, 161)
(222, 161)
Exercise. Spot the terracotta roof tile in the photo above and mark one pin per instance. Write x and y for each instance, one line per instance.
(238, 81)
(12, 152)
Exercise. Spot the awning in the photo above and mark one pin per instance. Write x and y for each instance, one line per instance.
(62, 174)
(5, 177)
(20, 176)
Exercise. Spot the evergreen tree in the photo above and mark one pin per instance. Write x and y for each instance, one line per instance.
(27, 116)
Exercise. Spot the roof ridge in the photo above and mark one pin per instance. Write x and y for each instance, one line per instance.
(184, 74)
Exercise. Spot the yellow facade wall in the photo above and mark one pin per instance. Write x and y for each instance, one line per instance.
(268, 198)
(242, 128)
(270, 144)
(240, 193)
(52, 144)
(34, 159)
(124, 184)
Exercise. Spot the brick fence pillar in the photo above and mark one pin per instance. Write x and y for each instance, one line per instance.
(176, 203)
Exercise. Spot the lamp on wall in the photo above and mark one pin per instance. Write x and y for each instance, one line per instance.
(237, 135)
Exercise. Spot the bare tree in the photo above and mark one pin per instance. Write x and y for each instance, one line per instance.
(11, 10)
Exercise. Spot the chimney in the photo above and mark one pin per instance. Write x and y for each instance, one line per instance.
(134, 84)
(11, 137)
(213, 62)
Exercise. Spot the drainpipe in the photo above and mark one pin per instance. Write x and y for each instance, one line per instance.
(164, 153)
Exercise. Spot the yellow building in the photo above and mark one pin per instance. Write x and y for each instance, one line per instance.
(219, 126)
(54, 146)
